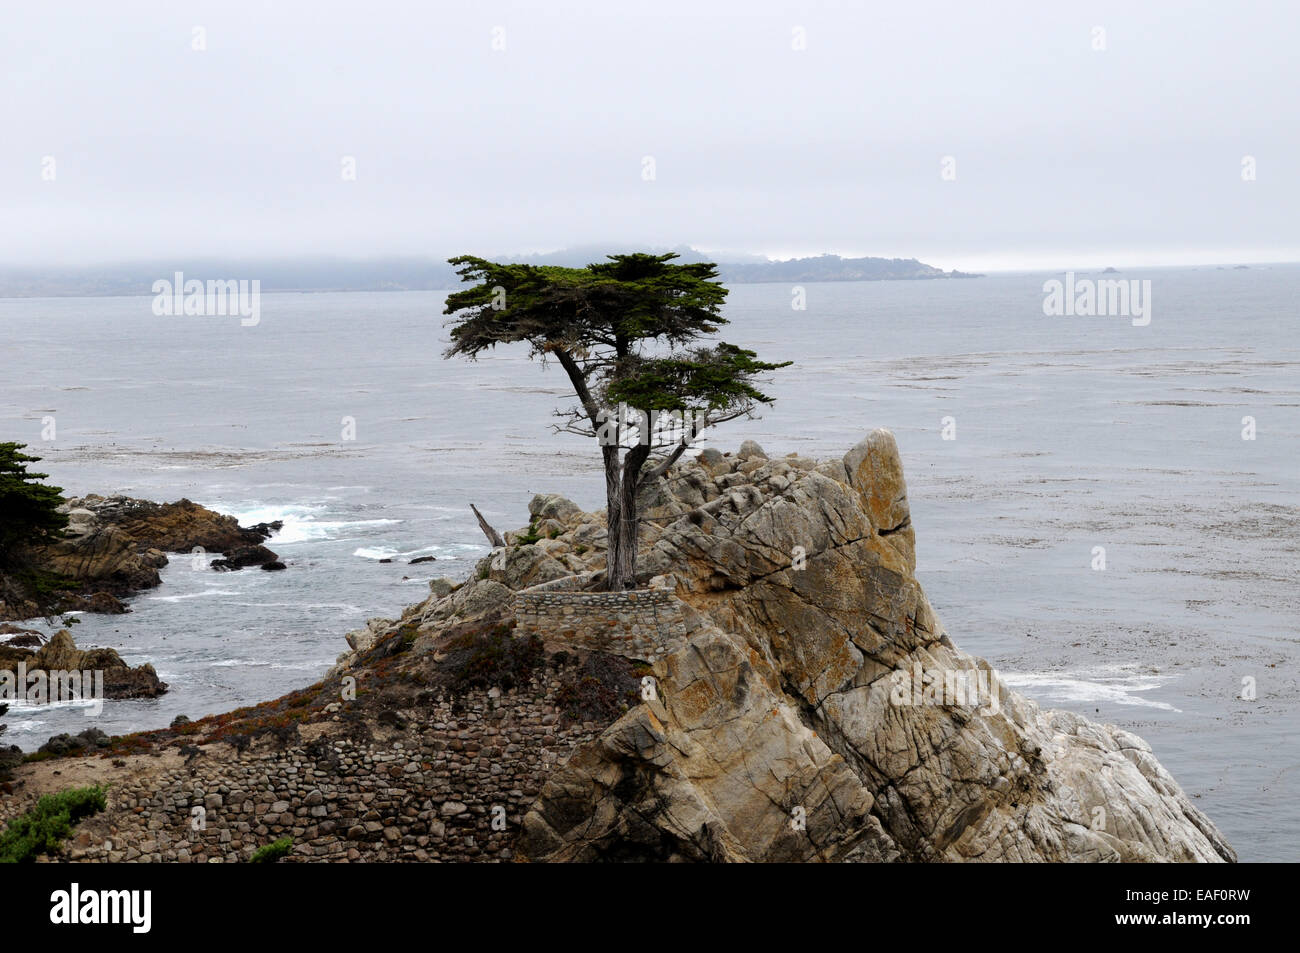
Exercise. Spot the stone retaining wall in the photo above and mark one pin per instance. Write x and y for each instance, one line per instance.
(643, 624)
(428, 792)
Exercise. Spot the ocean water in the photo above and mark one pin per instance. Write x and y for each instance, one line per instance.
(1071, 433)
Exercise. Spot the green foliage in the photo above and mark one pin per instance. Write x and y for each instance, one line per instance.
(614, 303)
(41, 829)
(43, 586)
(27, 507)
(717, 378)
(270, 853)
(602, 321)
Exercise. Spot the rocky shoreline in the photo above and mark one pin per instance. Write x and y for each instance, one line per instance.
(114, 546)
(60, 654)
(749, 702)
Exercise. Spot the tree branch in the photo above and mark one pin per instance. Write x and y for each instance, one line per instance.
(579, 381)
(661, 468)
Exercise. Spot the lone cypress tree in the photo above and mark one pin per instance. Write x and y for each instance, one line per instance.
(28, 508)
(625, 333)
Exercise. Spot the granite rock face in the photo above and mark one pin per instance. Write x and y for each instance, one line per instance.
(823, 713)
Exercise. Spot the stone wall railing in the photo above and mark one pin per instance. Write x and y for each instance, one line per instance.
(641, 624)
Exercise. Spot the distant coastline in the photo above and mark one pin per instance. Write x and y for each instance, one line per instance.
(323, 274)
(835, 268)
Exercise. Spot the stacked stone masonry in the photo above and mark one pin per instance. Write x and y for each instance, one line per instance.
(453, 786)
(644, 624)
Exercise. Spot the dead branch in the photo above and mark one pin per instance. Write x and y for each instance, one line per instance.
(493, 536)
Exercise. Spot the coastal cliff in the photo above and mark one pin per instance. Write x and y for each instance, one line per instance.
(777, 688)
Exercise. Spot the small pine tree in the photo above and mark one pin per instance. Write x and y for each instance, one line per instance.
(28, 508)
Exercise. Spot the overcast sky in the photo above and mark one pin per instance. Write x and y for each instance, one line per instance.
(1063, 154)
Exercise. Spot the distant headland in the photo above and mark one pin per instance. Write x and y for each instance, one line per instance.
(321, 274)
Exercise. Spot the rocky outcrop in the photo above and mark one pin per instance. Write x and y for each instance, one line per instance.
(14, 635)
(808, 707)
(180, 527)
(114, 546)
(64, 743)
(171, 527)
(825, 714)
(60, 654)
(103, 559)
(244, 556)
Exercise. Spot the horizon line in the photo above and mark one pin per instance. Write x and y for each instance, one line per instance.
(970, 264)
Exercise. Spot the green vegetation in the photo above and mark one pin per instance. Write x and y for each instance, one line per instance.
(28, 508)
(41, 585)
(530, 537)
(625, 333)
(270, 853)
(41, 829)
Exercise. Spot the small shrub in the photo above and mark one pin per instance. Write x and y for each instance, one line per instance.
(270, 853)
(484, 658)
(41, 829)
(601, 689)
